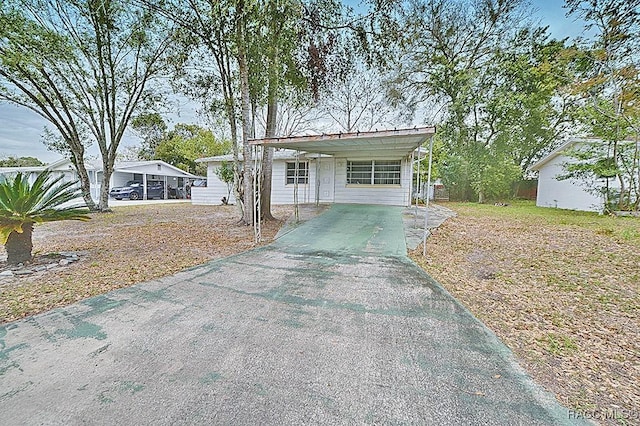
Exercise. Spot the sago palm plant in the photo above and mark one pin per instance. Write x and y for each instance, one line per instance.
(23, 205)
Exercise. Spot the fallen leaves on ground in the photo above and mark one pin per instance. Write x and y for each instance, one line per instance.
(559, 288)
(128, 246)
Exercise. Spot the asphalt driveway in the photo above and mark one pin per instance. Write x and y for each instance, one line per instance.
(331, 324)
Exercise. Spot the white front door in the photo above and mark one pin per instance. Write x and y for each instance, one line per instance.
(326, 177)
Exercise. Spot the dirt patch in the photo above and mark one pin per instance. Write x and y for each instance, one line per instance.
(124, 247)
(561, 291)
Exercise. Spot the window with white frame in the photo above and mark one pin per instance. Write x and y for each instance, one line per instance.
(373, 172)
(303, 173)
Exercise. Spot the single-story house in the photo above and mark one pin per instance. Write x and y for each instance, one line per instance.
(362, 168)
(142, 171)
(63, 167)
(572, 193)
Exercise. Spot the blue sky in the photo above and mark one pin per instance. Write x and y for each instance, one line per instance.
(21, 129)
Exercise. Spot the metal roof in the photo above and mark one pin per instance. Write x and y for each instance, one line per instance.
(285, 154)
(397, 142)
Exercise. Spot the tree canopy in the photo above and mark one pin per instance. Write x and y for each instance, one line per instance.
(20, 162)
(491, 82)
(85, 66)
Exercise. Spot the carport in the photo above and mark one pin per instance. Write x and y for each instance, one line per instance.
(152, 171)
(350, 155)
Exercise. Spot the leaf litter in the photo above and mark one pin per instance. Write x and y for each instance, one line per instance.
(560, 289)
(127, 246)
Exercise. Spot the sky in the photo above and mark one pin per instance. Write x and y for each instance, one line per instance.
(21, 129)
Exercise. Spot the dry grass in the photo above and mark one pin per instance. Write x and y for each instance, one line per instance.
(559, 288)
(129, 245)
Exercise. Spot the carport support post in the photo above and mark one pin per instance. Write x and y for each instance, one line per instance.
(317, 180)
(144, 186)
(166, 189)
(257, 191)
(426, 202)
(415, 215)
(296, 173)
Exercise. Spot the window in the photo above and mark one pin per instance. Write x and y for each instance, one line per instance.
(303, 173)
(375, 172)
(359, 172)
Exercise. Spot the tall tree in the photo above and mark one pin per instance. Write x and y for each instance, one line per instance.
(260, 50)
(491, 81)
(610, 84)
(214, 60)
(86, 67)
(358, 102)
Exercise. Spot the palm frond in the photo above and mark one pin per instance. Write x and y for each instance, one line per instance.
(41, 201)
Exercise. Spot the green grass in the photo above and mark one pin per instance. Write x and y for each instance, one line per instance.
(623, 229)
(558, 344)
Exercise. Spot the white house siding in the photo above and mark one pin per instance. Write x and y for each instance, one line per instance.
(281, 192)
(332, 185)
(392, 195)
(564, 194)
(213, 192)
(201, 195)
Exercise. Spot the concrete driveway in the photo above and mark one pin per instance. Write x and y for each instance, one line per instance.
(331, 324)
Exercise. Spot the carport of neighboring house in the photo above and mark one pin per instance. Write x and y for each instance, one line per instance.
(152, 171)
(123, 172)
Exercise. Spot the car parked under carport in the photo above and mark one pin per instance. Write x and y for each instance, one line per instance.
(134, 190)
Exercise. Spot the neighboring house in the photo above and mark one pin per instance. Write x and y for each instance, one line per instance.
(142, 171)
(152, 171)
(58, 168)
(361, 168)
(572, 194)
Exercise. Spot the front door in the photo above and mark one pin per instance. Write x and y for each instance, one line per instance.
(326, 180)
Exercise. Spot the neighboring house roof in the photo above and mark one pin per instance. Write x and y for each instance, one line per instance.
(125, 167)
(561, 150)
(21, 169)
(134, 166)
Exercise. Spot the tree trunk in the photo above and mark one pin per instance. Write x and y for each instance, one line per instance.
(19, 245)
(243, 68)
(270, 132)
(265, 191)
(103, 205)
(85, 183)
(267, 159)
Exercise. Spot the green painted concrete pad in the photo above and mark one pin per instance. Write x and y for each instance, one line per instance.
(350, 229)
